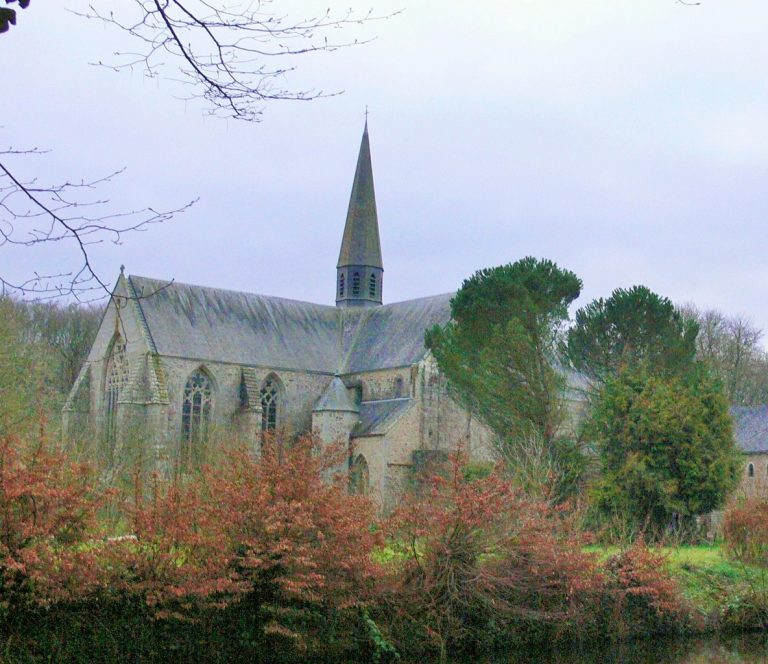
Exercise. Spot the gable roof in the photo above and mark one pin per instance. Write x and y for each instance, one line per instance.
(392, 335)
(258, 330)
(241, 328)
(750, 428)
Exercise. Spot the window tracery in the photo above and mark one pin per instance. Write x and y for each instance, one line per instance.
(196, 409)
(270, 401)
(115, 381)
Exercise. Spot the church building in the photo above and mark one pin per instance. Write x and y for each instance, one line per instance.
(174, 365)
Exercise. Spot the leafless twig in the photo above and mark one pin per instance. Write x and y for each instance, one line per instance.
(33, 214)
(235, 55)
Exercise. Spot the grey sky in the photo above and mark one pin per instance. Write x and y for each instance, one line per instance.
(626, 140)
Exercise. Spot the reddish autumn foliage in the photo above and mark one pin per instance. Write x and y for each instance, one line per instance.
(277, 532)
(479, 558)
(640, 594)
(47, 508)
(745, 530)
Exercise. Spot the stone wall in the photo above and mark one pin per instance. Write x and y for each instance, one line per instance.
(757, 483)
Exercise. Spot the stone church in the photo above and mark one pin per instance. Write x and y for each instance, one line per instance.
(174, 363)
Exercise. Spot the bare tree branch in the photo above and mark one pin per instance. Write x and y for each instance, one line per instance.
(32, 214)
(233, 55)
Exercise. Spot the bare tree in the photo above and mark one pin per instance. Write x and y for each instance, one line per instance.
(731, 347)
(234, 55)
(34, 214)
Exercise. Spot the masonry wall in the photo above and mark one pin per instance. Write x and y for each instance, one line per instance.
(382, 384)
(756, 484)
(299, 391)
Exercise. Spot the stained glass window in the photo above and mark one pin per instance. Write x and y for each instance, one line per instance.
(114, 383)
(270, 401)
(195, 415)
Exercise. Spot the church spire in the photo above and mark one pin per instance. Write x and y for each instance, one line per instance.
(359, 270)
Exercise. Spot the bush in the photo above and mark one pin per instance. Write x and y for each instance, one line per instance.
(47, 512)
(479, 563)
(640, 597)
(745, 530)
(277, 535)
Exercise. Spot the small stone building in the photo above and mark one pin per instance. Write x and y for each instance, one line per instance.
(750, 424)
(174, 363)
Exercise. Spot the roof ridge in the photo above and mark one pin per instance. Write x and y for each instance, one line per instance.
(232, 290)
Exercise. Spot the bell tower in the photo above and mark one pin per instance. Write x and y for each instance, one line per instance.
(359, 271)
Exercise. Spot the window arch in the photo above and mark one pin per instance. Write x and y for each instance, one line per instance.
(341, 285)
(356, 283)
(196, 407)
(751, 470)
(359, 476)
(372, 286)
(270, 403)
(115, 380)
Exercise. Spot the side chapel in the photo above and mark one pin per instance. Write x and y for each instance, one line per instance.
(172, 363)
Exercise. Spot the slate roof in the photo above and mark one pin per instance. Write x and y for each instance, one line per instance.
(750, 426)
(376, 417)
(393, 335)
(360, 244)
(212, 324)
(336, 398)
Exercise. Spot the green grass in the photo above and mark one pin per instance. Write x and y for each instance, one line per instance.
(705, 574)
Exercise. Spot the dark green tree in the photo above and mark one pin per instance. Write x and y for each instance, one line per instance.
(499, 351)
(666, 446)
(8, 14)
(633, 329)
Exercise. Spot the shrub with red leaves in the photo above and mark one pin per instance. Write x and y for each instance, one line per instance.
(479, 562)
(745, 530)
(641, 595)
(47, 514)
(277, 533)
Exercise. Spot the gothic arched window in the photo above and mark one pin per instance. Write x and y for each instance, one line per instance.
(372, 286)
(341, 285)
(196, 409)
(356, 283)
(115, 380)
(751, 470)
(359, 477)
(270, 403)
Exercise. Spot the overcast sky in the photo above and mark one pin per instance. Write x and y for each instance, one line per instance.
(625, 140)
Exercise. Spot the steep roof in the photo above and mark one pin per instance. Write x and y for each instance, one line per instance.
(218, 325)
(241, 328)
(393, 335)
(360, 244)
(335, 398)
(750, 426)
